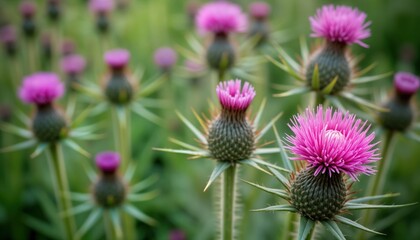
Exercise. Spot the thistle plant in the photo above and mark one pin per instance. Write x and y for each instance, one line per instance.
(231, 140)
(399, 118)
(54, 10)
(8, 38)
(335, 147)
(111, 196)
(259, 27)
(330, 70)
(49, 129)
(102, 10)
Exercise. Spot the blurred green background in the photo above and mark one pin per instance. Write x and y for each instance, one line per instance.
(182, 205)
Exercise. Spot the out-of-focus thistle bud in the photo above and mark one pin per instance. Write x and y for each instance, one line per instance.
(53, 10)
(401, 112)
(8, 39)
(102, 9)
(73, 66)
(118, 88)
(41, 89)
(259, 28)
(28, 10)
(165, 58)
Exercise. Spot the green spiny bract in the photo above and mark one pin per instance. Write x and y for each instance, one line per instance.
(48, 124)
(119, 89)
(332, 63)
(320, 197)
(231, 137)
(109, 191)
(220, 54)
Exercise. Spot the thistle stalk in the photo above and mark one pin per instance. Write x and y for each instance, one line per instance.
(228, 203)
(61, 188)
(376, 185)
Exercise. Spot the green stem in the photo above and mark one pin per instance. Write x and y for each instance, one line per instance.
(110, 228)
(376, 185)
(290, 227)
(221, 75)
(61, 189)
(311, 233)
(228, 201)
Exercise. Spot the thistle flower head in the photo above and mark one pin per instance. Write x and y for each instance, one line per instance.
(232, 97)
(8, 34)
(27, 8)
(340, 24)
(259, 10)
(165, 57)
(117, 58)
(220, 17)
(101, 6)
(41, 88)
(107, 162)
(332, 142)
(73, 64)
(67, 47)
(406, 83)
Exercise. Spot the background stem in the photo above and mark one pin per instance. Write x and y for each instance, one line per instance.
(61, 189)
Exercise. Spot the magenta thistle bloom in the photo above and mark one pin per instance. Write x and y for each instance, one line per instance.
(165, 57)
(406, 83)
(41, 88)
(8, 34)
(73, 64)
(117, 58)
(101, 6)
(340, 24)
(221, 17)
(108, 162)
(332, 142)
(27, 8)
(231, 96)
(259, 10)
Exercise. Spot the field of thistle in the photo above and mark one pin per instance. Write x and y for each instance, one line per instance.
(159, 119)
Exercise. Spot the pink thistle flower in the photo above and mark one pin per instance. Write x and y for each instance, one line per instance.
(73, 64)
(8, 34)
(220, 17)
(27, 9)
(231, 96)
(340, 24)
(108, 162)
(165, 57)
(406, 83)
(117, 58)
(259, 10)
(41, 88)
(101, 6)
(333, 142)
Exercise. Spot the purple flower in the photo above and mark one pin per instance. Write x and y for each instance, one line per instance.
(177, 235)
(340, 24)
(41, 88)
(101, 6)
(259, 10)
(406, 83)
(220, 17)
(73, 64)
(27, 8)
(108, 162)
(117, 58)
(332, 142)
(8, 34)
(231, 96)
(165, 57)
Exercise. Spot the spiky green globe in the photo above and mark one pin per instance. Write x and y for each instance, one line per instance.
(318, 197)
(48, 124)
(399, 117)
(331, 62)
(109, 191)
(119, 89)
(231, 138)
(220, 54)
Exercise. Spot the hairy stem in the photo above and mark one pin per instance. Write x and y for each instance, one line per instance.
(376, 184)
(228, 203)
(61, 188)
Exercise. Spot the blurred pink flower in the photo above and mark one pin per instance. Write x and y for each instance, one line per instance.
(165, 57)
(101, 6)
(117, 58)
(73, 64)
(41, 88)
(406, 83)
(259, 10)
(108, 162)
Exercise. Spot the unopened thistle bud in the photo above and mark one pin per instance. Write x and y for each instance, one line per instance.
(259, 28)
(109, 191)
(53, 10)
(118, 89)
(333, 145)
(28, 10)
(401, 112)
(231, 136)
(102, 10)
(340, 26)
(42, 89)
(8, 39)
